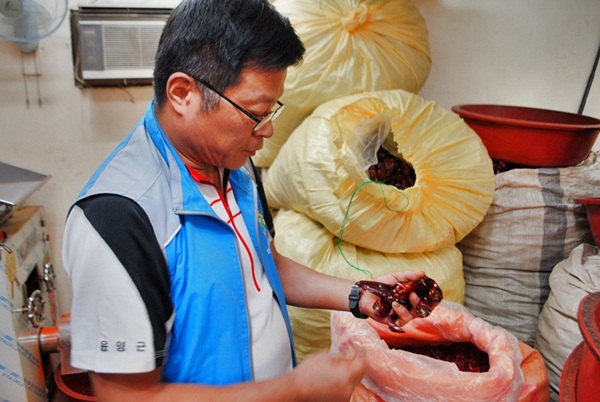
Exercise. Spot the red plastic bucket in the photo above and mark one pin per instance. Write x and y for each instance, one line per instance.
(568, 377)
(580, 376)
(76, 386)
(592, 207)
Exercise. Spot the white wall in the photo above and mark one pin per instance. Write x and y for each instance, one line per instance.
(66, 137)
(521, 52)
(535, 53)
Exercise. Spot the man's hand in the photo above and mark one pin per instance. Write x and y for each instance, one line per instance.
(367, 299)
(328, 378)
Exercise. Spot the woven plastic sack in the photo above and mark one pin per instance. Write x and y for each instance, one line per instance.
(321, 172)
(531, 226)
(309, 243)
(352, 46)
(397, 375)
(558, 329)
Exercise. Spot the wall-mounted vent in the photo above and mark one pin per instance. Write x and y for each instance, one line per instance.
(115, 46)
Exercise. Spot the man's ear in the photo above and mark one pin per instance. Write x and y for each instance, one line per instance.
(182, 92)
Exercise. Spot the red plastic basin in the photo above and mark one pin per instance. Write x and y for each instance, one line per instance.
(531, 137)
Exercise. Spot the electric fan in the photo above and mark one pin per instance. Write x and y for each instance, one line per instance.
(25, 22)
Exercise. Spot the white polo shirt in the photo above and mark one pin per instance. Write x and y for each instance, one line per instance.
(270, 341)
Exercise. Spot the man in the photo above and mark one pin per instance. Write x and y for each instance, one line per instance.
(178, 292)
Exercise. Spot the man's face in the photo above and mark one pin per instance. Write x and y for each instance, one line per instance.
(224, 137)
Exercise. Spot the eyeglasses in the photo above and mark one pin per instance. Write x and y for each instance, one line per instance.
(261, 121)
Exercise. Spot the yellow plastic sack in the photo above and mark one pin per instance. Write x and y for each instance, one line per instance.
(351, 46)
(321, 172)
(309, 243)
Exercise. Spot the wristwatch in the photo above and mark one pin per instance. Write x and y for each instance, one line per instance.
(353, 299)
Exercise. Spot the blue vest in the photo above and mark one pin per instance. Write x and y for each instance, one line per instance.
(209, 341)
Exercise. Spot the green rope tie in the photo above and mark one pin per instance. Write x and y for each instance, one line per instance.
(345, 221)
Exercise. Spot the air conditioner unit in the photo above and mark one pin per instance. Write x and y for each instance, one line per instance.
(115, 46)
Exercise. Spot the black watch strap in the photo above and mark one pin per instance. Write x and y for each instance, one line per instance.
(353, 300)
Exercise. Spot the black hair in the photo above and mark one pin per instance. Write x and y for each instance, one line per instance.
(216, 39)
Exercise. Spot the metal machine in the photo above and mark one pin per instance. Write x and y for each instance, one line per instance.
(27, 291)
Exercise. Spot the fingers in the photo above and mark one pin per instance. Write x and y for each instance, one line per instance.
(409, 275)
(404, 276)
(330, 378)
(404, 316)
(355, 366)
(414, 300)
(351, 367)
(347, 372)
(402, 313)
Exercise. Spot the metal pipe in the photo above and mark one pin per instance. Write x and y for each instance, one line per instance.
(589, 82)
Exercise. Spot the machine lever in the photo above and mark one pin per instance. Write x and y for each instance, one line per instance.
(34, 311)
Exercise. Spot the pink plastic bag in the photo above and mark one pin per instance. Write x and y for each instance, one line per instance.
(397, 375)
